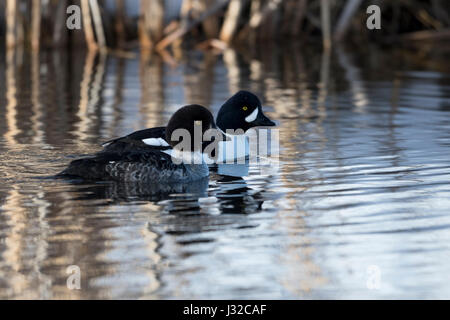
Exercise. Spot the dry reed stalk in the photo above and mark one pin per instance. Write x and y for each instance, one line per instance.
(156, 20)
(255, 7)
(151, 22)
(144, 37)
(271, 24)
(98, 25)
(421, 14)
(185, 11)
(35, 24)
(180, 32)
(11, 20)
(259, 15)
(210, 25)
(231, 20)
(87, 25)
(325, 23)
(345, 18)
(60, 33)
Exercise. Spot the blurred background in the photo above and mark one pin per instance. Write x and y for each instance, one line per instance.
(217, 23)
(358, 206)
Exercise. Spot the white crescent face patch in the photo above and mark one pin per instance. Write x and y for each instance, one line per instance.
(156, 142)
(252, 116)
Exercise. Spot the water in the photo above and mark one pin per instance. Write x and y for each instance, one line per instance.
(359, 206)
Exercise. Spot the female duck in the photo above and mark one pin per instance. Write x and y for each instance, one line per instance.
(142, 162)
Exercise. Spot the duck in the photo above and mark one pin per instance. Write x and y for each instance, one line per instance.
(236, 116)
(241, 112)
(138, 161)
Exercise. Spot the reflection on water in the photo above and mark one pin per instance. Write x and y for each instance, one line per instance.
(362, 182)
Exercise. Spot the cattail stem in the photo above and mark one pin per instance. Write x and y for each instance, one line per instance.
(231, 20)
(186, 28)
(325, 23)
(211, 25)
(11, 20)
(98, 24)
(144, 36)
(345, 19)
(151, 22)
(87, 24)
(60, 32)
(35, 24)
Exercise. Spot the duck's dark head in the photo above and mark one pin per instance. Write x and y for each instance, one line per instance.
(242, 111)
(189, 122)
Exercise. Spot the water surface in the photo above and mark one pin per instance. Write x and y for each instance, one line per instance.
(358, 206)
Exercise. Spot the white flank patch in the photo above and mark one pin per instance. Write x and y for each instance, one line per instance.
(186, 157)
(156, 142)
(252, 116)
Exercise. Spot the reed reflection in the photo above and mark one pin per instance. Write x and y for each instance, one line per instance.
(151, 75)
(90, 94)
(35, 267)
(11, 98)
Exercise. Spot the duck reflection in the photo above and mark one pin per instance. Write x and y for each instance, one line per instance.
(128, 192)
(227, 206)
(231, 194)
(232, 170)
(235, 197)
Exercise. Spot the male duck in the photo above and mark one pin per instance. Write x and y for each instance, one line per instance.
(237, 115)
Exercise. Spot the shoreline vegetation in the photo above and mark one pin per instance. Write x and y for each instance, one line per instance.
(217, 24)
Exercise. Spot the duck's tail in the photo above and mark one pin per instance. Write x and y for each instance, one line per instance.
(86, 168)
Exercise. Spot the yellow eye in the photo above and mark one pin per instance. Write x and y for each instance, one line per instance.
(244, 108)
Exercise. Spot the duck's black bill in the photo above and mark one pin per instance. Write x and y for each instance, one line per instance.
(262, 121)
